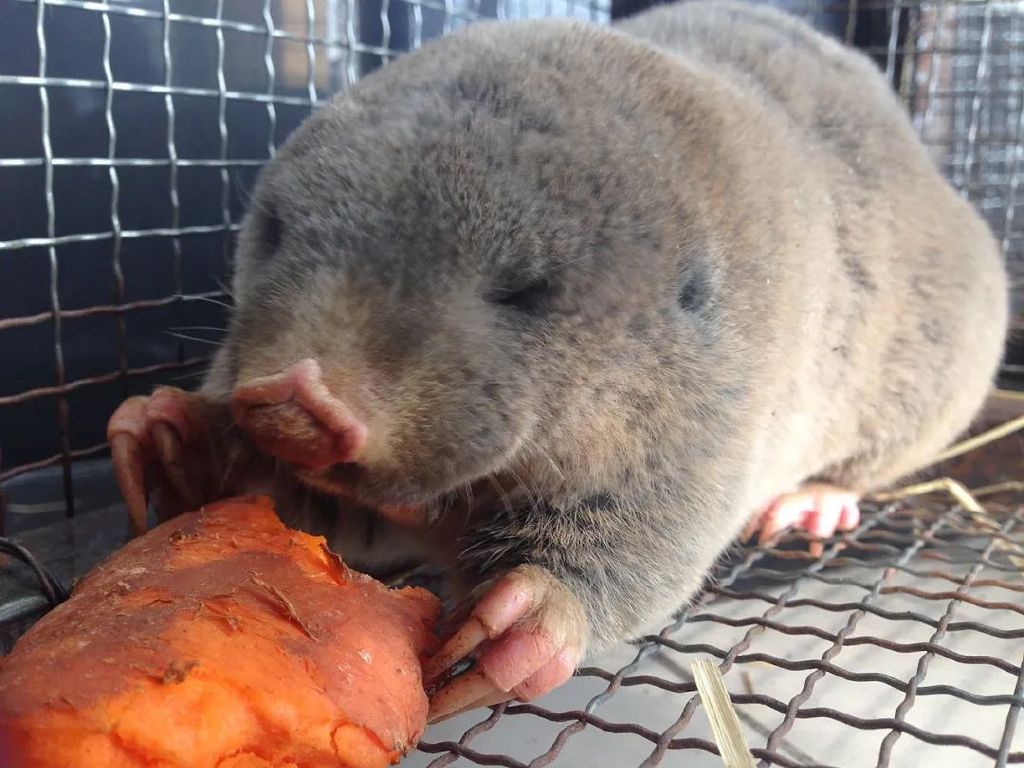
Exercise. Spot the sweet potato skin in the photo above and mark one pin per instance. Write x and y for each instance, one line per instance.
(220, 639)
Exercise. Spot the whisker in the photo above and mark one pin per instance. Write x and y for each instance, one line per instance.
(199, 328)
(190, 375)
(210, 300)
(224, 289)
(532, 497)
(198, 340)
(547, 457)
(506, 502)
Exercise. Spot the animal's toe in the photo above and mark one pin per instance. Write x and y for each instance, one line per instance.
(523, 663)
(153, 443)
(526, 633)
(818, 509)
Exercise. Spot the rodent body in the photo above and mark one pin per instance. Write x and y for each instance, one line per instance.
(885, 281)
(598, 295)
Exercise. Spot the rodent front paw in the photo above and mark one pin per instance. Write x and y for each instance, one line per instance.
(161, 443)
(528, 633)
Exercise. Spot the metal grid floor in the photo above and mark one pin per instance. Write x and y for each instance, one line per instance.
(901, 646)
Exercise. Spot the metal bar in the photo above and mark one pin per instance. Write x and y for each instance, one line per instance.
(311, 52)
(222, 129)
(120, 85)
(1012, 716)
(173, 162)
(994, 700)
(115, 199)
(891, 50)
(981, 76)
(268, 63)
(355, 67)
(182, 18)
(173, 165)
(836, 648)
(57, 458)
(65, 388)
(647, 647)
(885, 751)
(470, 734)
(63, 417)
(872, 609)
(109, 309)
(868, 724)
(127, 234)
(773, 574)
(760, 623)
(1013, 179)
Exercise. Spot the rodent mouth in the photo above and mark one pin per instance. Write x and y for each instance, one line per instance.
(336, 479)
(341, 480)
(355, 483)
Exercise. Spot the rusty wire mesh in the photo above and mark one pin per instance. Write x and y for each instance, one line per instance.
(129, 137)
(901, 646)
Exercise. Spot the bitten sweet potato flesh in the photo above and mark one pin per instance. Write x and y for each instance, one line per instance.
(220, 639)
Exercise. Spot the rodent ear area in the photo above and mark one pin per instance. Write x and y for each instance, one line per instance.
(694, 288)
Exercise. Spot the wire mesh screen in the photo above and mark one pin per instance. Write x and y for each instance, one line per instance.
(965, 82)
(129, 136)
(901, 646)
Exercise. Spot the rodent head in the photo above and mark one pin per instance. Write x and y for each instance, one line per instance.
(494, 268)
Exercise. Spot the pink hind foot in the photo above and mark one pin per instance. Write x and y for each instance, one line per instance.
(817, 508)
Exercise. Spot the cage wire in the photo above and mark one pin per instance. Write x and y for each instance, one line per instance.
(130, 134)
(922, 601)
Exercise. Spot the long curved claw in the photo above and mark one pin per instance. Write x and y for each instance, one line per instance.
(459, 646)
(523, 663)
(170, 451)
(129, 468)
(158, 446)
(527, 638)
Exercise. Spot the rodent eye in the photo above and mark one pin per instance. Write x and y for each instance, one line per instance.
(527, 297)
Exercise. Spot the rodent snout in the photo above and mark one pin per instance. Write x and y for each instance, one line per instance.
(294, 416)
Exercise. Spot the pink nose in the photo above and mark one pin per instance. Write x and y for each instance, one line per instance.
(292, 415)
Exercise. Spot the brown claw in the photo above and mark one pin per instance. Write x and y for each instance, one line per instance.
(129, 469)
(170, 451)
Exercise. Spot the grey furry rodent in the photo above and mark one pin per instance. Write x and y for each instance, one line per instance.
(599, 295)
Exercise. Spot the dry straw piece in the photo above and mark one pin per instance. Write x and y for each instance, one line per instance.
(968, 500)
(724, 722)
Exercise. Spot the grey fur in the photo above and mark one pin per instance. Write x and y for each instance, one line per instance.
(756, 277)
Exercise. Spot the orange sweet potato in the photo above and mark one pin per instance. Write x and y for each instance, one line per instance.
(220, 639)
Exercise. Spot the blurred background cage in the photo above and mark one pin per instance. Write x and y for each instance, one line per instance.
(131, 132)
